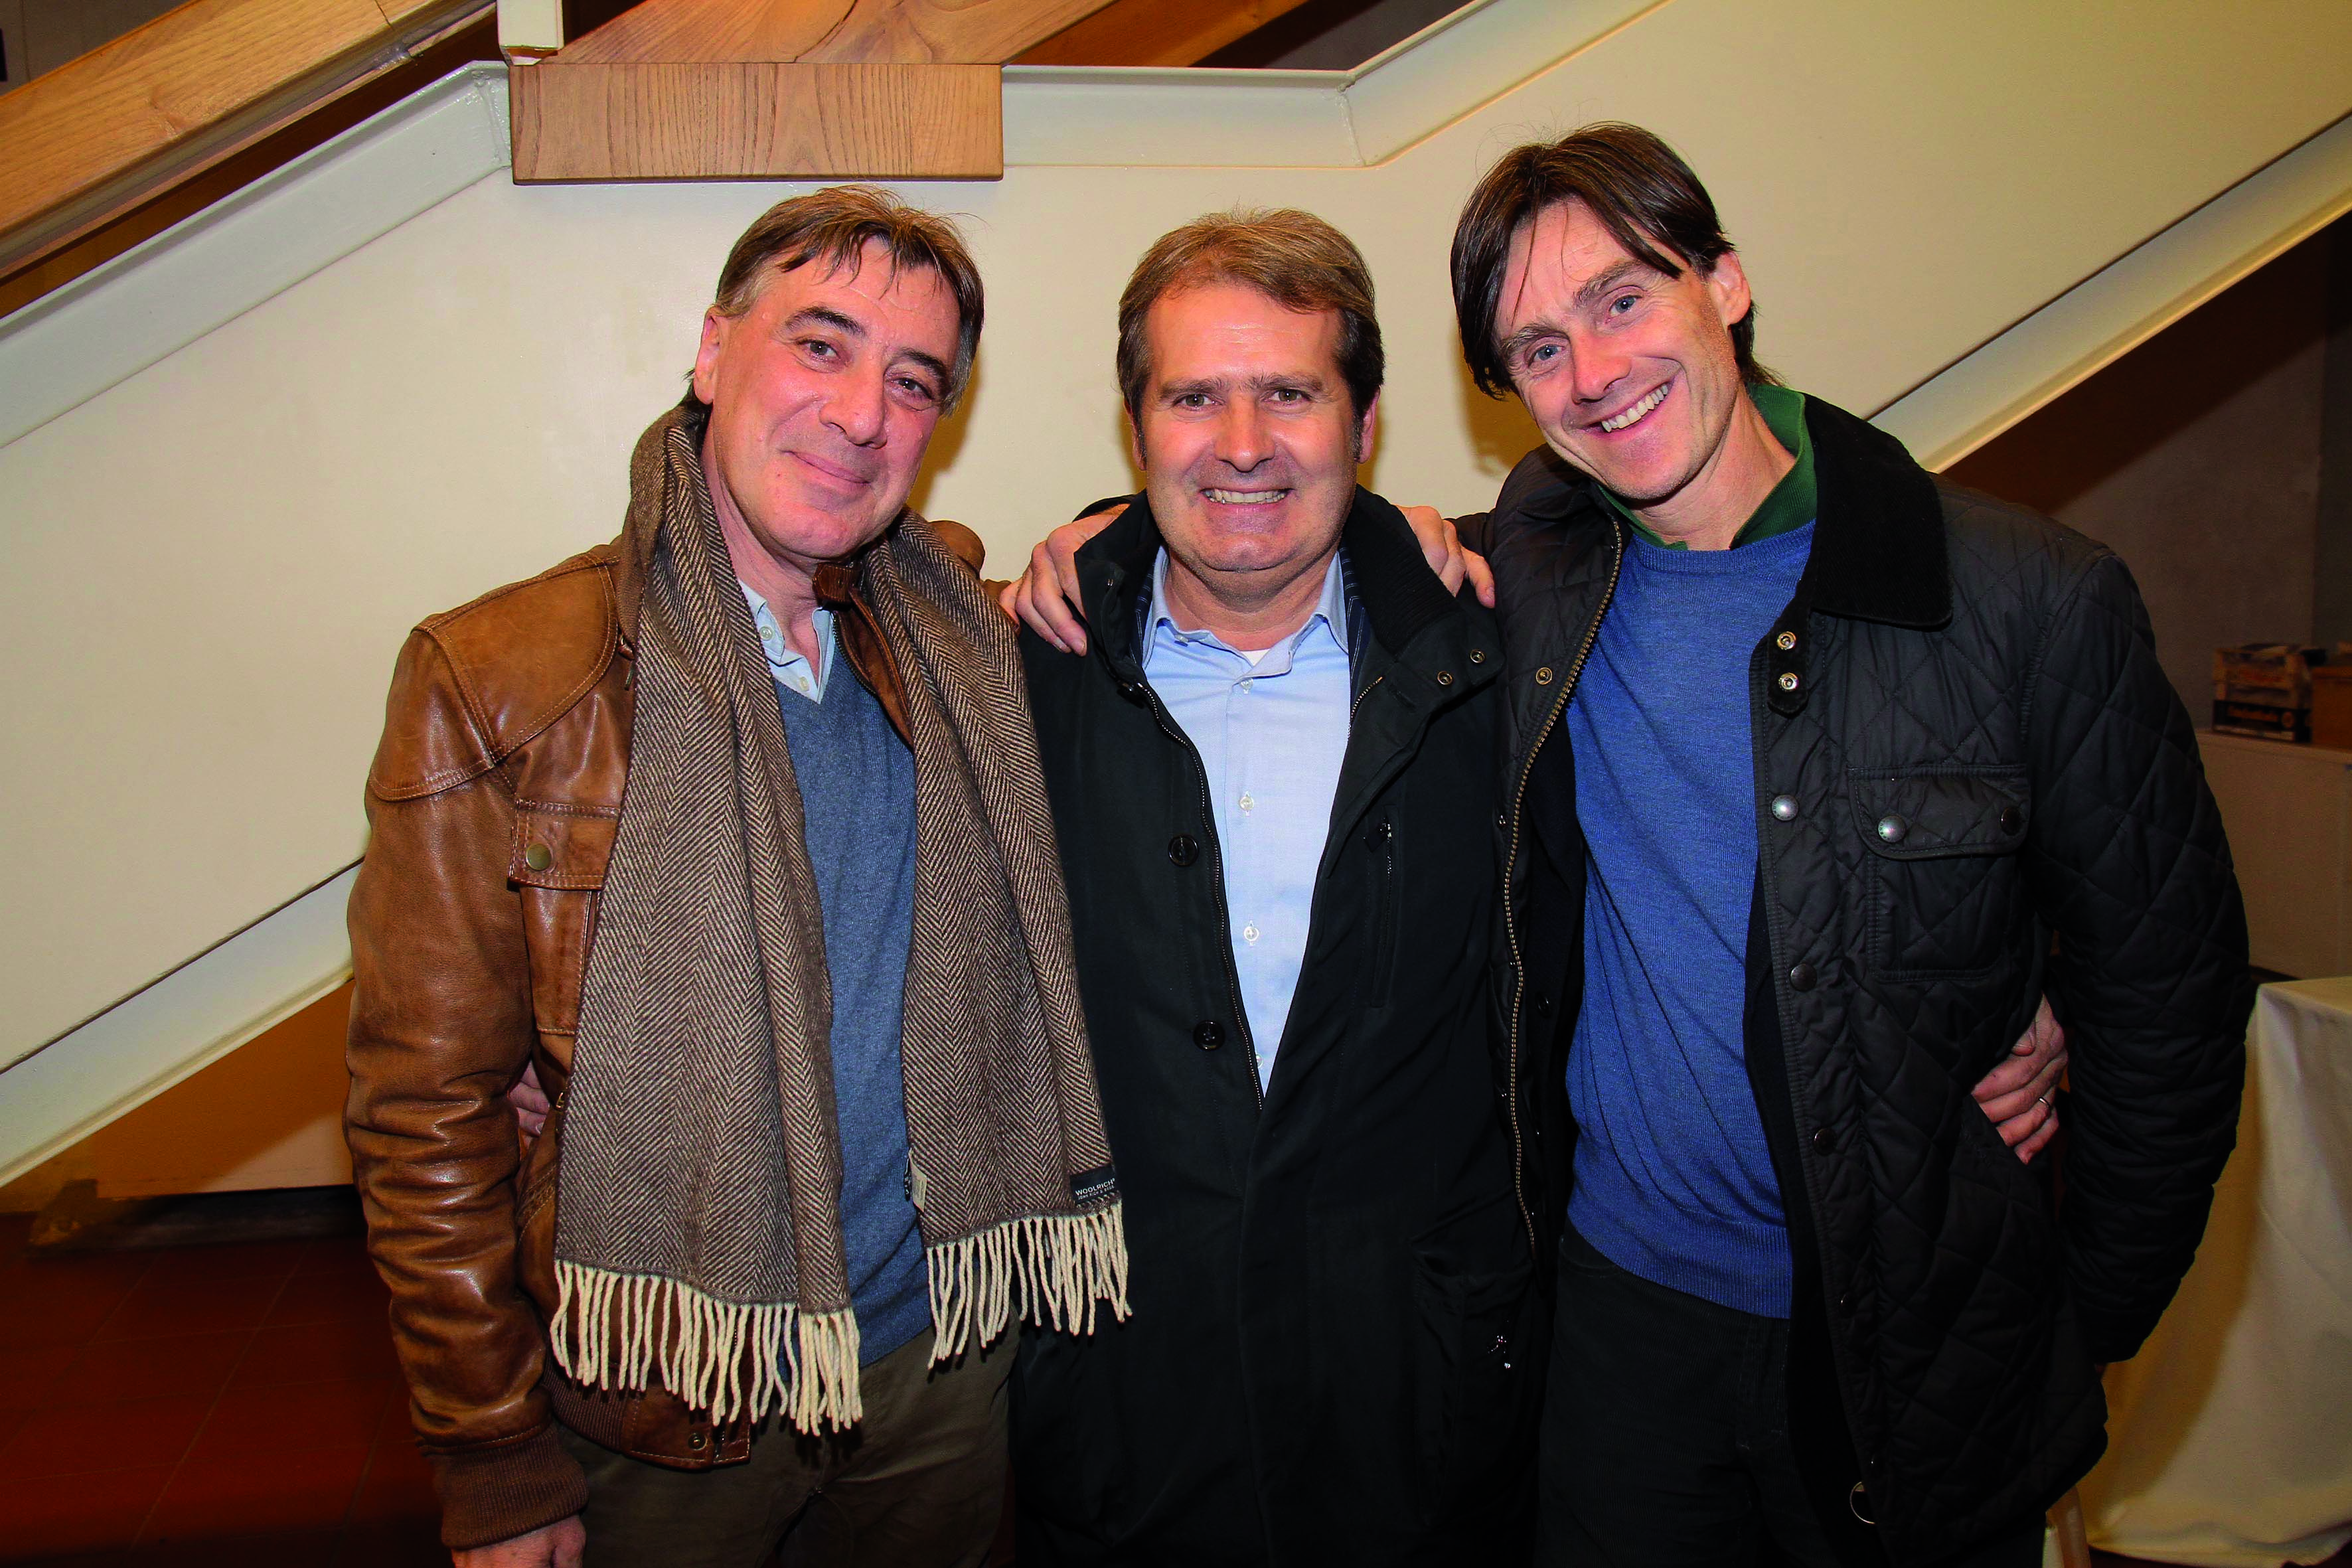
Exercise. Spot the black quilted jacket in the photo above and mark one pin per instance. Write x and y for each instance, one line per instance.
(1964, 747)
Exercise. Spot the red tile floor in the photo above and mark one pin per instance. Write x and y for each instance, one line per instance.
(230, 1404)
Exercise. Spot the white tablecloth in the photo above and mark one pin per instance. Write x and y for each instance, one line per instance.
(2231, 1433)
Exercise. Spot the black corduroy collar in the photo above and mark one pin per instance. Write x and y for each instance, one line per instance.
(1878, 543)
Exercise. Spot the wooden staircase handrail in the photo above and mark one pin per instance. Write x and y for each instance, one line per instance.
(103, 133)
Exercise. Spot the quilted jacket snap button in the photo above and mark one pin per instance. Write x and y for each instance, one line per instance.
(1784, 807)
(1788, 680)
(1824, 1140)
(2011, 819)
(1802, 976)
(1786, 642)
(1543, 675)
(1444, 678)
(1892, 829)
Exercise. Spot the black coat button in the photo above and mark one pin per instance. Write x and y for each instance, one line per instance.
(1184, 849)
(1543, 1005)
(2011, 819)
(1802, 976)
(1379, 833)
(1824, 1140)
(1209, 1036)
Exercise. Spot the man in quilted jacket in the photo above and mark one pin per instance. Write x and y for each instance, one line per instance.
(1819, 770)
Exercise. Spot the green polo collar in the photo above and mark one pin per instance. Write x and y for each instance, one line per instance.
(1793, 501)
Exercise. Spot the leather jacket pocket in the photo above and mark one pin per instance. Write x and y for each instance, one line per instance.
(558, 863)
(1945, 891)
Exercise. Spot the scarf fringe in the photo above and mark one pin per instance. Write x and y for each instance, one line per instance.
(1066, 1264)
(733, 1359)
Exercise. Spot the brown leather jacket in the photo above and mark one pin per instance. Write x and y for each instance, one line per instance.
(493, 802)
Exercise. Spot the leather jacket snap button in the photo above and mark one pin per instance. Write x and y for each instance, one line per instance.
(1802, 976)
(1784, 808)
(1892, 829)
(538, 858)
(1209, 1036)
(695, 1440)
(1184, 849)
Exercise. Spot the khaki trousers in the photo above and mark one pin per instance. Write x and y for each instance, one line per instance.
(919, 1483)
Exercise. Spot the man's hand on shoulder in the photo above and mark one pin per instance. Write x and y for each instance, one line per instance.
(1046, 599)
(1442, 548)
(557, 1545)
(2020, 1096)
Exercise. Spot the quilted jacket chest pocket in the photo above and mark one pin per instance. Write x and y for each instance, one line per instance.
(1946, 891)
(557, 864)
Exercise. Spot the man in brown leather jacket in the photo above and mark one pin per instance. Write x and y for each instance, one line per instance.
(635, 828)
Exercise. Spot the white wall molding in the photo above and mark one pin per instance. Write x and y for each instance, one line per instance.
(212, 267)
(2124, 304)
(55, 1096)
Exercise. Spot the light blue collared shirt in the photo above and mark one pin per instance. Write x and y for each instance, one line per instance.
(1271, 737)
(791, 670)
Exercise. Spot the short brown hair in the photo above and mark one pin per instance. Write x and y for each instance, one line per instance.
(1294, 259)
(1636, 186)
(833, 226)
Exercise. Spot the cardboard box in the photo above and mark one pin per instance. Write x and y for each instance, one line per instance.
(2331, 703)
(2264, 689)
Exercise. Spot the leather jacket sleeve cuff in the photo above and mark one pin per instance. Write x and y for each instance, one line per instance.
(496, 1493)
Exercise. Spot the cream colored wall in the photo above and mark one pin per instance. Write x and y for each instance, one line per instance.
(210, 561)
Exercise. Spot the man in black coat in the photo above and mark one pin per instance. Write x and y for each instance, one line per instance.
(1331, 1340)
(1265, 776)
(1819, 770)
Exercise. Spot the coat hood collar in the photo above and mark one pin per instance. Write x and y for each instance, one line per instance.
(1878, 535)
(1393, 587)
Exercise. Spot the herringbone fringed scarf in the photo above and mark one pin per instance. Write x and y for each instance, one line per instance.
(699, 1242)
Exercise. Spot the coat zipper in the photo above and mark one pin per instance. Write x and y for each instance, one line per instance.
(1217, 870)
(1510, 863)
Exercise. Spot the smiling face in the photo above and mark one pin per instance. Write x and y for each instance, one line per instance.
(824, 396)
(1629, 371)
(1249, 443)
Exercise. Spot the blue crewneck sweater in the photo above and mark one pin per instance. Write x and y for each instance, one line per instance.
(857, 803)
(1674, 1182)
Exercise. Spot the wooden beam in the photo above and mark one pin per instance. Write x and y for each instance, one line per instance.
(1155, 32)
(685, 89)
(736, 120)
(121, 125)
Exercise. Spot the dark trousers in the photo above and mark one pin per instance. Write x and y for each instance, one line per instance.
(1665, 1435)
(919, 1483)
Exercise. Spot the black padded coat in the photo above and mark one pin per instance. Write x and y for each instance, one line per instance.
(1964, 748)
(1337, 1309)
